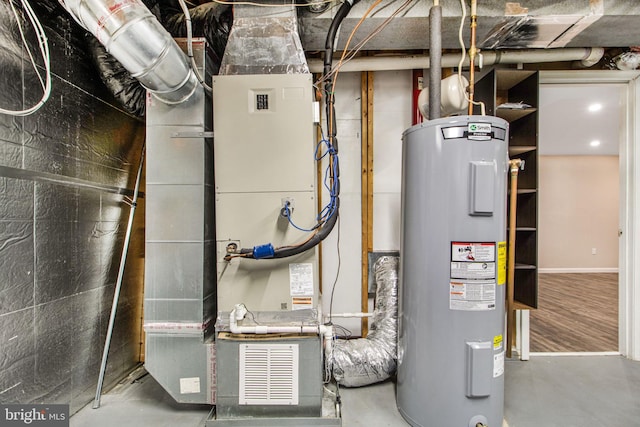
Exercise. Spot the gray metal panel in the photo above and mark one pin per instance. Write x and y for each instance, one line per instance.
(479, 368)
(180, 290)
(188, 113)
(177, 212)
(184, 365)
(310, 388)
(432, 340)
(175, 270)
(482, 196)
(174, 157)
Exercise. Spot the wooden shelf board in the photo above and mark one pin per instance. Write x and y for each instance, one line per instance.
(506, 79)
(525, 267)
(515, 150)
(513, 114)
(517, 305)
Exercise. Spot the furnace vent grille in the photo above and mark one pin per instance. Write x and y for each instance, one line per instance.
(268, 374)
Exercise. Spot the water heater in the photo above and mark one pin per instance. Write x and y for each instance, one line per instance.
(453, 273)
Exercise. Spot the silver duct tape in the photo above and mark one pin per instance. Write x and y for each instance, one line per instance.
(175, 327)
(372, 359)
(264, 45)
(307, 317)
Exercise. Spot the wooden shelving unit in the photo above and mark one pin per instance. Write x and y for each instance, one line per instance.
(519, 86)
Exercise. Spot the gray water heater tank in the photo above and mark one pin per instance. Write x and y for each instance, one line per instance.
(451, 342)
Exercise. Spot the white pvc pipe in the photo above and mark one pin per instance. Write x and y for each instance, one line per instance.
(586, 56)
(349, 315)
(325, 330)
(133, 35)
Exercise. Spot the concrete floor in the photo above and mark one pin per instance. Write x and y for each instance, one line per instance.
(559, 391)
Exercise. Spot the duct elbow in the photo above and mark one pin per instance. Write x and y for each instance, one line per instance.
(131, 33)
(593, 56)
(372, 359)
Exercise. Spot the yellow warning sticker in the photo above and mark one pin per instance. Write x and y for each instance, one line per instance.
(502, 263)
(497, 342)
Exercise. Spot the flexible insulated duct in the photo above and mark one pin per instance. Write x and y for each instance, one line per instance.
(131, 33)
(372, 359)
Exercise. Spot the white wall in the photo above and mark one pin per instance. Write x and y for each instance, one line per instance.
(347, 232)
(392, 115)
(578, 211)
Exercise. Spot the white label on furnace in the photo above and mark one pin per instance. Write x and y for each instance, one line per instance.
(498, 364)
(301, 279)
(477, 295)
(190, 385)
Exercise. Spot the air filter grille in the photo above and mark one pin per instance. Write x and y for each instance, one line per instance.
(268, 374)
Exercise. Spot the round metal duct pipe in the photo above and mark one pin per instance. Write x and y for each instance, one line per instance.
(586, 57)
(131, 33)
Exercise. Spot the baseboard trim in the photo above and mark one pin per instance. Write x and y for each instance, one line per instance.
(574, 353)
(577, 270)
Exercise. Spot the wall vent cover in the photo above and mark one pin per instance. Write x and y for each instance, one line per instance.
(268, 374)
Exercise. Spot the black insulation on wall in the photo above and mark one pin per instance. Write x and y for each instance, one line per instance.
(64, 173)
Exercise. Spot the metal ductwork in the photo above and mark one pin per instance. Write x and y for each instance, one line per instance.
(133, 35)
(372, 359)
(264, 42)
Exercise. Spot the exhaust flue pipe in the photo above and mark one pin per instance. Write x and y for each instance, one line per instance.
(131, 33)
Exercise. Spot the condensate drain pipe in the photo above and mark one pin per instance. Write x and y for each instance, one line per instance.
(239, 312)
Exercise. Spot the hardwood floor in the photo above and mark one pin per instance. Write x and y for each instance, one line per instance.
(576, 312)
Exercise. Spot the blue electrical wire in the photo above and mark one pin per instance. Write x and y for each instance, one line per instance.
(329, 182)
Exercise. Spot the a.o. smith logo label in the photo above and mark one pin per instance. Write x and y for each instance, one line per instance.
(34, 415)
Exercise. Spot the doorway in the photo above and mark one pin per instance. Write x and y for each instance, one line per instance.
(629, 218)
(581, 129)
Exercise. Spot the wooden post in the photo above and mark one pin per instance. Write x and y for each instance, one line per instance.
(514, 167)
(366, 189)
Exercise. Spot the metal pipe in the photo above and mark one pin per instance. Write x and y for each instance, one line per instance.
(133, 35)
(411, 62)
(116, 295)
(514, 167)
(472, 54)
(435, 53)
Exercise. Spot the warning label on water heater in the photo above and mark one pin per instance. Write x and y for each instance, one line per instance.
(472, 285)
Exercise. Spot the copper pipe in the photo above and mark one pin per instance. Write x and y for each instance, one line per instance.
(514, 166)
(472, 53)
